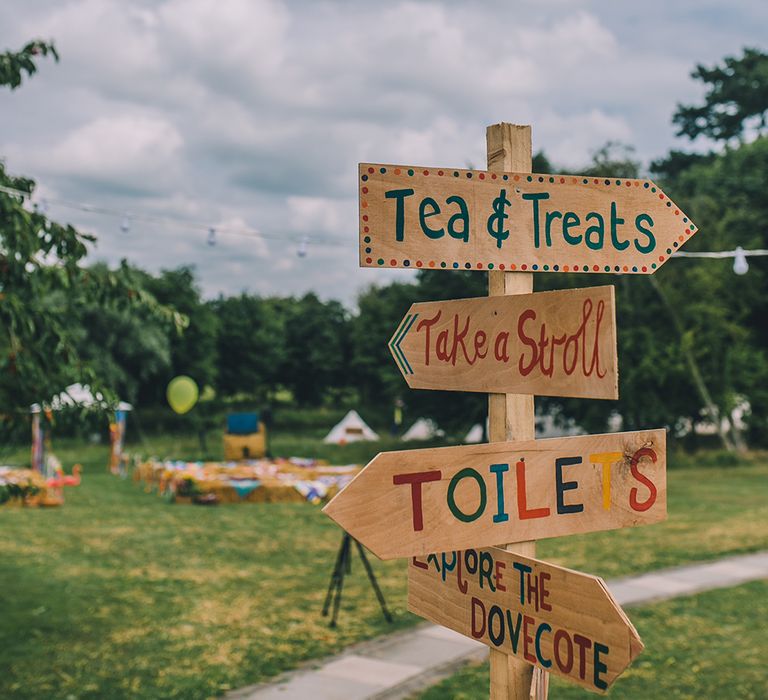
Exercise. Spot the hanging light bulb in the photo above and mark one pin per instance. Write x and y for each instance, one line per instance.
(211, 236)
(125, 224)
(740, 264)
(303, 245)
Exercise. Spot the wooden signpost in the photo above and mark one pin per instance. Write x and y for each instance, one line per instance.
(433, 500)
(513, 344)
(559, 343)
(562, 621)
(443, 218)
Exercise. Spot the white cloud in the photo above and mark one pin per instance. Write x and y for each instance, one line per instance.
(571, 137)
(312, 214)
(119, 149)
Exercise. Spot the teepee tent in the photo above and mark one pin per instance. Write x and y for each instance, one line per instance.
(351, 428)
(423, 429)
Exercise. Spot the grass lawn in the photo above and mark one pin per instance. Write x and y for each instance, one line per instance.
(119, 595)
(712, 645)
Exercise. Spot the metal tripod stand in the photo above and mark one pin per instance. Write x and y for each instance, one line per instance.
(344, 566)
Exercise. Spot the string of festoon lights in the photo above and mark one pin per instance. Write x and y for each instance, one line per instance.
(739, 255)
(212, 232)
(740, 264)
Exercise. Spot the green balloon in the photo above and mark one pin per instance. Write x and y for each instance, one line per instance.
(182, 393)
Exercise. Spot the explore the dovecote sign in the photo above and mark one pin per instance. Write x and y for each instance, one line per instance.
(443, 218)
(560, 620)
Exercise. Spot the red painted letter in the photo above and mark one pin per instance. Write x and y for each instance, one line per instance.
(427, 323)
(477, 633)
(633, 502)
(416, 479)
(522, 497)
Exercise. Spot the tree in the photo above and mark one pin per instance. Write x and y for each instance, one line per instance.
(38, 270)
(736, 98)
(42, 284)
(251, 345)
(14, 64)
(373, 371)
(128, 347)
(316, 349)
(724, 314)
(193, 352)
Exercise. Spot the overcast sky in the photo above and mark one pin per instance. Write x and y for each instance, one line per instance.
(253, 114)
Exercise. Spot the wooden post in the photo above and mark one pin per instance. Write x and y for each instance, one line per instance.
(510, 416)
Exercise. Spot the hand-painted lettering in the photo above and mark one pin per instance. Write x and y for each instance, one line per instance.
(634, 468)
(399, 197)
(523, 511)
(416, 479)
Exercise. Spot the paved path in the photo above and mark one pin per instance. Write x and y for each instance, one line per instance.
(396, 665)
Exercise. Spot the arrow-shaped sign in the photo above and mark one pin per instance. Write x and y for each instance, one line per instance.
(445, 218)
(421, 501)
(559, 343)
(561, 620)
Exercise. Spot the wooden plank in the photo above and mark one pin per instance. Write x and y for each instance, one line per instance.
(509, 147)
(560, 343)
(447, 218)
(560, 620)
(420, 501)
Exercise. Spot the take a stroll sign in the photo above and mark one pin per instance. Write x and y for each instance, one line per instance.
(444, 218)
(446, 508)
(559, 343)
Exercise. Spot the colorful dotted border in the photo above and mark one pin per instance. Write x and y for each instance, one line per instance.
(372, 261)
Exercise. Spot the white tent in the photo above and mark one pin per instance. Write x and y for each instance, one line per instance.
(475, 434)
(79, 395)
(351, 428)
(423, 429)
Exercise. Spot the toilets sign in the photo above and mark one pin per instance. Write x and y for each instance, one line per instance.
(443, 218)
(416, 502)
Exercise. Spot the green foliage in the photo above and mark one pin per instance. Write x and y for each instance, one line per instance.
(49, 300)
(127, 346)
(736, 98)
(372, 370)
(316, 349)
(250, 345)
(14, 64)
(193, 351)
(38, 274)
(723, 313)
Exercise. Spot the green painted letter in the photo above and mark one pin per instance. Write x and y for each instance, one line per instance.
(424, 214)
(598, 229)
(535, 199)
(615, 222)
(640, 219)
(570, 219)
(462, 215)
(400, 196)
